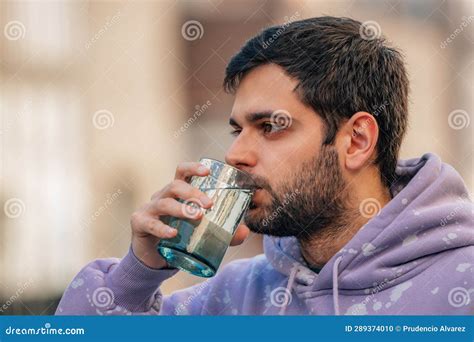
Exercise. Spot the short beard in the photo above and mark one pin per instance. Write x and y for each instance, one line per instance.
(313, 202)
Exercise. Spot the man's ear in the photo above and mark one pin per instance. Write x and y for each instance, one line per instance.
(361, 133)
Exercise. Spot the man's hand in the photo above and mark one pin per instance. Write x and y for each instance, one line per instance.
(148, 229)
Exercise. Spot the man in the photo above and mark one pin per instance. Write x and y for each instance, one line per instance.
(319, 115)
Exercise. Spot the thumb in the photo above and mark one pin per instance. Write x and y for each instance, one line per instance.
(240, 235)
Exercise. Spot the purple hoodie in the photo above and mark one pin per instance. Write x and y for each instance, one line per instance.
(414, 258)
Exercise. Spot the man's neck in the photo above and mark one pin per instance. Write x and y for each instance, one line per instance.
(321, 246)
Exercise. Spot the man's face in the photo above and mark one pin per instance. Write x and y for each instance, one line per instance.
(278, 141)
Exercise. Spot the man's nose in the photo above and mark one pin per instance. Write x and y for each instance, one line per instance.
(241, 155)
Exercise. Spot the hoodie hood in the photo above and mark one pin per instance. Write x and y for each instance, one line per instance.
(430, 212)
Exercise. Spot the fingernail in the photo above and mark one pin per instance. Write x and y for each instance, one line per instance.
(202, 169)
(170, 230)
(206, 200)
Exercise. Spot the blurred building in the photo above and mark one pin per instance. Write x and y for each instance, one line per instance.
(100, 100)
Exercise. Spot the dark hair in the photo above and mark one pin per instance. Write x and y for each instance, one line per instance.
(342, 67)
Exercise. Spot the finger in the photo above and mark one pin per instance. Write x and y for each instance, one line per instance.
(187, 169)
(240, 235)
(157, 194)
(171, 207)
(181, 189)
(158, 228)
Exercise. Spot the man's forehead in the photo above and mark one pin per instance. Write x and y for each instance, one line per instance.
(263, 91)
(267, 80)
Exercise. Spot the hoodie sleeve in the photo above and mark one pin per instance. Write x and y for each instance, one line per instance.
(122, 287)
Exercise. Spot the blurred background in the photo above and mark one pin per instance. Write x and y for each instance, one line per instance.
(100, 100)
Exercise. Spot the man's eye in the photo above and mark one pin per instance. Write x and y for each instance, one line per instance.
(235, 132)
(270, 127)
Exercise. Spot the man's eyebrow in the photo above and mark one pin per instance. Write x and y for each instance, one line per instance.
(252, 117)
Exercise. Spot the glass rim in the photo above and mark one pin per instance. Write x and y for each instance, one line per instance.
(233, 168)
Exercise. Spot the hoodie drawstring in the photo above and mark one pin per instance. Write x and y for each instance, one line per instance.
(289, 286)
(335, 285)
